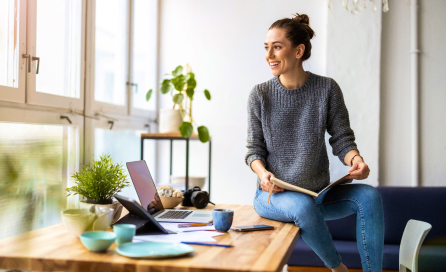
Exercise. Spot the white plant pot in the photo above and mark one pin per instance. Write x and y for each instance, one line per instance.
(116, 206)
(170, 121)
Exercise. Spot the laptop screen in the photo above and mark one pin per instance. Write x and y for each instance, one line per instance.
(145, 187)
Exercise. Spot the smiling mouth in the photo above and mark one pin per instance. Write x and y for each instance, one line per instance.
(274, 64)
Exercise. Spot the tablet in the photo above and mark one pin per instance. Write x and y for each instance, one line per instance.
(139, 217)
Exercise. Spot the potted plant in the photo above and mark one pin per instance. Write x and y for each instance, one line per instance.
(182, 89)
(98, 182)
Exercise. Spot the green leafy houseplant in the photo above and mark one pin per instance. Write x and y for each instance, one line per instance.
(100, 180)
(180, 87)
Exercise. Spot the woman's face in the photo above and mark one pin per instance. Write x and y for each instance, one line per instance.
(279, 53)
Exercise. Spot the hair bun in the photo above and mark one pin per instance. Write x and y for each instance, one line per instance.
(302, 18)
(305, 21)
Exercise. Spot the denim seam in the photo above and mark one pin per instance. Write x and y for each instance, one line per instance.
(362, 226)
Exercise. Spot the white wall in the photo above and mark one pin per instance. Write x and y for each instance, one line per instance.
(395, 157)
(353, 60)
(223, 43)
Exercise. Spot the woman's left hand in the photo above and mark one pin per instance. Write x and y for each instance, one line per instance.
(360, 170)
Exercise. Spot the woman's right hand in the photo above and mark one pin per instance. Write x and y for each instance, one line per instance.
(259, 168)
(266, 183)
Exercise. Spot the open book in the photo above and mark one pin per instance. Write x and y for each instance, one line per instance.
(290, 187)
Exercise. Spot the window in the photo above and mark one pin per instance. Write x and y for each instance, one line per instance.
(66, 85)
(35, 162)
(54, 42)
(111, 51)
(12, 47)
(143, 57)
(60, 48)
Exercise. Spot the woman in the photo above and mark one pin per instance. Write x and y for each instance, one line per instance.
(287, 119)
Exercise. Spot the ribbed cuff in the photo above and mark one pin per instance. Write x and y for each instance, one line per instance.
(344, 152)
(254, 157)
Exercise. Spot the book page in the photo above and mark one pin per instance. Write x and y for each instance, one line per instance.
(342, 180)
(290, 187)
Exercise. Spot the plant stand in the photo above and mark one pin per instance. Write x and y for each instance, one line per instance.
(172, 137)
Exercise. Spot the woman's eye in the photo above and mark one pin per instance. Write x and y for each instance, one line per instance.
(266, 48)
(277, 47)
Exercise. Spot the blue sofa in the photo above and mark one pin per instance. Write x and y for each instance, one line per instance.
(400, 204)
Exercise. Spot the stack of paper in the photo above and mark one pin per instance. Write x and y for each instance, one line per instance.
(174, 227)
(191, 234)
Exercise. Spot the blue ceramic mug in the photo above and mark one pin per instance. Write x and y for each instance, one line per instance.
(222, 219)
(124, 233)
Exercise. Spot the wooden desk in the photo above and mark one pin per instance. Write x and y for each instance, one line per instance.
(54, 249)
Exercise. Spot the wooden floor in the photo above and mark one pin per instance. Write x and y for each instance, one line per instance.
(323, 269)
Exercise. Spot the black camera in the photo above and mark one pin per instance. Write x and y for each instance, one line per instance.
(196, 197)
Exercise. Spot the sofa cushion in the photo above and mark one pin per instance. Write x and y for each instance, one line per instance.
(303, 255)
(426, 204)
(401, 204)
(343, 229)
(431, 258)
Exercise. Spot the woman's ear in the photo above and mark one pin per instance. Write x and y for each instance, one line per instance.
(300, 51)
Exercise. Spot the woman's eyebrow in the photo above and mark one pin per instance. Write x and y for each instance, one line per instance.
(275, 42)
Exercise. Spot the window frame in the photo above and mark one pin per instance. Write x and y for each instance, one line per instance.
(35, 107)
(13, 94)
(44, 99)
(134, 111)
(97, 107)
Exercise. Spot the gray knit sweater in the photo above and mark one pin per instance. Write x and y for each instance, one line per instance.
(286, 130)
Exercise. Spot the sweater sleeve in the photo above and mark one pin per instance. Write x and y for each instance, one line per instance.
(342, 137)
(255, 140)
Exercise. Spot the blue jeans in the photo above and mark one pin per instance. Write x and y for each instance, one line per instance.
(340, 201)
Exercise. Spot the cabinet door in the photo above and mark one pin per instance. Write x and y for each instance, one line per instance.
(13, 66)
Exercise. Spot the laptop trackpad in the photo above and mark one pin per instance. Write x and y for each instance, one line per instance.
(200, 215)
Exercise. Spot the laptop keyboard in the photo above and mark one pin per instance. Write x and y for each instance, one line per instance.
(175, 215)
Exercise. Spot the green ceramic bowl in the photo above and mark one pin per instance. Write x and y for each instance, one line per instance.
(98, 240)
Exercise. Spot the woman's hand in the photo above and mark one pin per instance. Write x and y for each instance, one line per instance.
(360, 170)
(266, 183)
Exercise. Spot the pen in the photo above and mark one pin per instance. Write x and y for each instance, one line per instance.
(194, 225)
(206, 244)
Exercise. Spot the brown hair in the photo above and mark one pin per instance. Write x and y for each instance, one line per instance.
(298, 31)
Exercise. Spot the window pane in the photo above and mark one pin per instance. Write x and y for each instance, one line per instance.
(34, 165)
(58, 46)
(111, 38)
(9, 48)
(124, 146)
(144, 52)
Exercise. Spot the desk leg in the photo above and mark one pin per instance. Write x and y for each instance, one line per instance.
(171, 141)
(209, 174)
(187, 164)
(142, 148)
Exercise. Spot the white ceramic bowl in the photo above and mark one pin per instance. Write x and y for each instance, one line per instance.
(193, 181)
(170, 202)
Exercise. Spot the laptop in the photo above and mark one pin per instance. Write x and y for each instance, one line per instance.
(149, 199)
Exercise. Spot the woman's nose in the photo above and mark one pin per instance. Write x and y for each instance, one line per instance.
(270, 54)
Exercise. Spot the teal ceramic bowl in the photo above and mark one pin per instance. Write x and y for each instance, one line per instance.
(98, 240)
